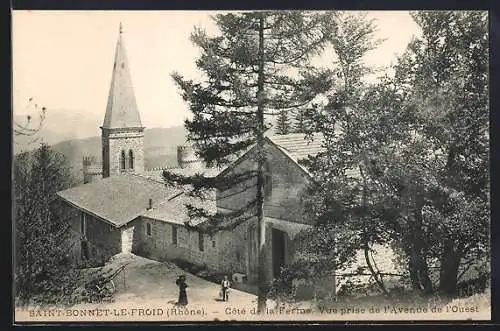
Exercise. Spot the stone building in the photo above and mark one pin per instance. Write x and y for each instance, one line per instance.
(131, 210)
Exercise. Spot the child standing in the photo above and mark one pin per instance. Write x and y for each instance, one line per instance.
(225, 284)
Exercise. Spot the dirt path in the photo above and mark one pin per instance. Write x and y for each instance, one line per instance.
(147, 280)
(150, 285)
(149, 293)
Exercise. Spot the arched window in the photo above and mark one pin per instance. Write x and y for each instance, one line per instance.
(122, 160)
(131, 159)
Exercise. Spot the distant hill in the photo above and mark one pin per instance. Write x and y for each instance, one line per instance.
(76, 134)
(160, 148)
(59, 125)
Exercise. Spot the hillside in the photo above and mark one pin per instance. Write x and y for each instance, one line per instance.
(160, 148)
(59, 125)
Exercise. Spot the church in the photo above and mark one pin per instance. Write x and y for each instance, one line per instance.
(123, 207)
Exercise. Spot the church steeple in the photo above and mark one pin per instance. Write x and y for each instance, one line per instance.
(122, 130)
(121, 110)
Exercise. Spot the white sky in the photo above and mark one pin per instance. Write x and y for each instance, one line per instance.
(64, 58)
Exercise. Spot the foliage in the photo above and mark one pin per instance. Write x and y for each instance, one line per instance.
(256, 66)
(408, 155)
(43, 270)
(447, 71)
(283, 124)
(342, 197)
(224, 104)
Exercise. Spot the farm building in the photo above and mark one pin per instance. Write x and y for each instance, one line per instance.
(124, 208)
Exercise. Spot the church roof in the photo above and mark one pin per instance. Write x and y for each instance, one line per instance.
(121, 110)
(118, 199)
(298, 145)
(174, 210)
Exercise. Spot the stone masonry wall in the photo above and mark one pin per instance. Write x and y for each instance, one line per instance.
(102, 238)
(115, 142)
(159, 244)
(288, 183)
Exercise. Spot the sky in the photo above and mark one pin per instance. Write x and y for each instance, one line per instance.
(64, 59)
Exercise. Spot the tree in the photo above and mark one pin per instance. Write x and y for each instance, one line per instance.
(420, 145)
(256, 67)
(304, 122)
(283, 124)
(42, 268)
(341, 196)
(446, 74)
(29, 128)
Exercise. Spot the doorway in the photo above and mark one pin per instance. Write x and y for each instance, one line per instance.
(279, 251)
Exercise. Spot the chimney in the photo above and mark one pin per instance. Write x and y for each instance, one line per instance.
(150, 204)
(181, 155)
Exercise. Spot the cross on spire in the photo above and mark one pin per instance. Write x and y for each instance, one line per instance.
(121, 28)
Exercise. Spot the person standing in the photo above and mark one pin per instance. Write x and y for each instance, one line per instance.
(181, 283)
(225, 284)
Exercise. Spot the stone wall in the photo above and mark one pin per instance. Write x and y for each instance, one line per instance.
(101, 239)
(159, 244)
(114, 141)
(127, 236)
(75, 234)
(104, 239)
(227, 251)
(288, 183)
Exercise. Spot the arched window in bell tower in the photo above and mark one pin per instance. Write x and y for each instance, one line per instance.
(131, 159)
(122, 161)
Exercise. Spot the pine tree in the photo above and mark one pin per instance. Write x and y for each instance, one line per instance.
(283, 123)
(257, 66)
(299, 121)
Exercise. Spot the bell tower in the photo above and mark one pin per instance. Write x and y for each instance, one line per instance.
(122, 130)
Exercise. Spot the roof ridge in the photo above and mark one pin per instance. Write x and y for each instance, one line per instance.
(145, 178)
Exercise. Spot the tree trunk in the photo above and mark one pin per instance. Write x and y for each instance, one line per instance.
(379, 281)
(448, 272)
(419, 271)
(261, 225)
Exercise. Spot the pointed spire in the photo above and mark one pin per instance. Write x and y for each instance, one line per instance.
(121, 111)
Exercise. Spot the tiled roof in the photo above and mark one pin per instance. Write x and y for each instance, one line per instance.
(298, 145)
(118, 199)
(174, 210)
(157, 174)
(121, 111)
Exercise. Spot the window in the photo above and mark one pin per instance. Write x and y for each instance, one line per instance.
(122, 160)
(85, 250)
(268, 180)
(174, 235)
(83, 225)
(131, 159)
(200, 241)
(212, 239)
(148, 229)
